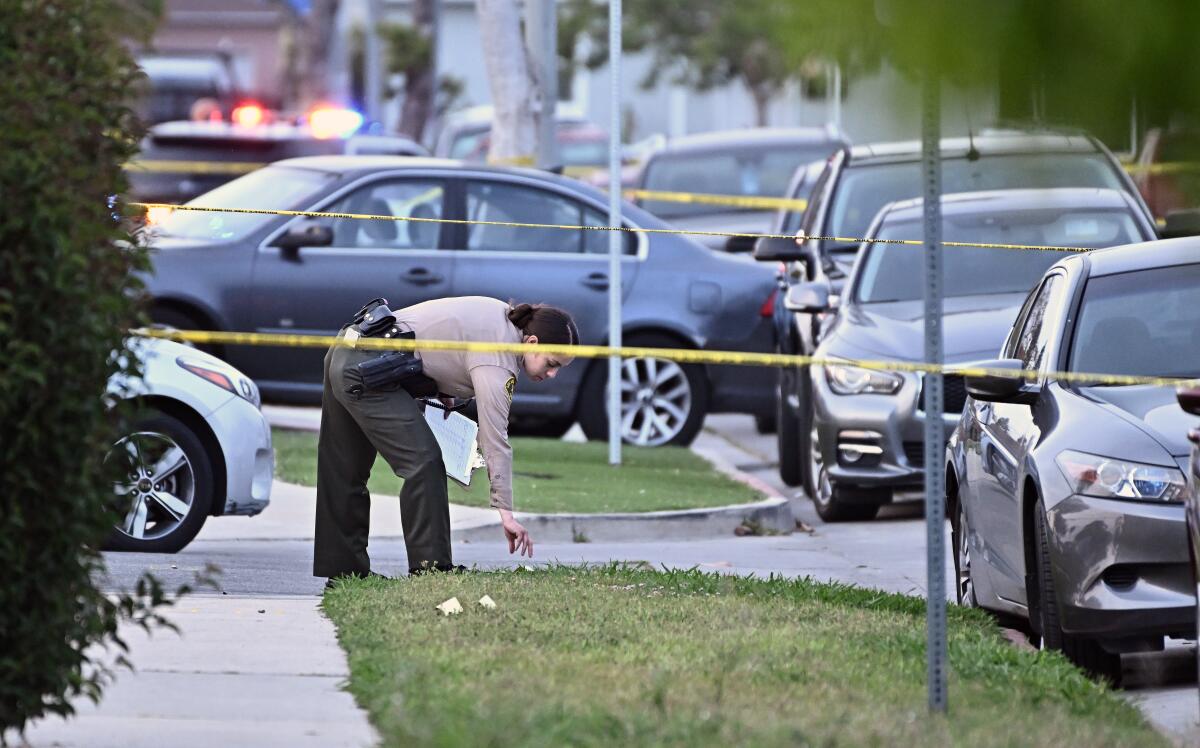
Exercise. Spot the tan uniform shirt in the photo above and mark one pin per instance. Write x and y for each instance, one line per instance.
(488, 377)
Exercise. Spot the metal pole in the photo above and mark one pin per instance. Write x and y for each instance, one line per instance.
(935, 481)
(616, 239)
(373, 59)
(541, 31)
(837, 97)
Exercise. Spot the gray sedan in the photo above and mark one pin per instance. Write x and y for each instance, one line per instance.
(278, 274)
(1067, 498)
(867, 426)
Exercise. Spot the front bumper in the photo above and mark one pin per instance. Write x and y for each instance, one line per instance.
(874, 440)
(245, 439)
(1121, 568)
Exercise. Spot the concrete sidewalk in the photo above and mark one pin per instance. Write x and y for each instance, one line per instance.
(261, 671)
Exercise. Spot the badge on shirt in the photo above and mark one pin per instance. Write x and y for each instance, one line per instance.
(509, 386)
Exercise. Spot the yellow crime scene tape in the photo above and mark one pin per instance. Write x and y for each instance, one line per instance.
(703, 198)
(571, 227)
(195, 167)
(679, 355)
(735, 201)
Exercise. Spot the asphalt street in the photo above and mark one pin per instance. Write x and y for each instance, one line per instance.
(887, 553)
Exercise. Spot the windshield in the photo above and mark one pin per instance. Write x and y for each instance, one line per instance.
(1143, 323)
(893, 272)
(272, 188)
(863, 190)
(762, 172)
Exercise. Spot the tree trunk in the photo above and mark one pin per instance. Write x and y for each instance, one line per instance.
(514, 131)
(316, 41)
(419, 85)
(762, 99)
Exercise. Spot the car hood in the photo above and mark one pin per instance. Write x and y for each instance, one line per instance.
(973, 327)
(1152, 409)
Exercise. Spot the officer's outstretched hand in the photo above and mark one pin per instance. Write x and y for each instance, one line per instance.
(519, 541)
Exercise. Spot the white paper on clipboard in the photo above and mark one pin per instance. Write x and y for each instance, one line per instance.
(457, 438)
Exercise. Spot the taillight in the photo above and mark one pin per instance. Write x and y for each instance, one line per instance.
(768, 307)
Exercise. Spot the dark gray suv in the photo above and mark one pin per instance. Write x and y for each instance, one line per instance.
(856, 183)
(264, 273)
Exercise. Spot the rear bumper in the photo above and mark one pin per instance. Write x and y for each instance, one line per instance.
(741, 388)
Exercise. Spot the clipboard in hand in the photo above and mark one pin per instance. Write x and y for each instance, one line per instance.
(457, 437)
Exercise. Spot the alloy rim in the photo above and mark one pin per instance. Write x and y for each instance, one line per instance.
(656, 400)
(966, 589)
(816, 467)
(158, 488)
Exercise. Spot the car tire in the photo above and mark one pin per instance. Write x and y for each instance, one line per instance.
(833, 502)
(960, 532)
(790, 428)
(683, 386)
(765, 424)
(160, 513)
(1083, 651)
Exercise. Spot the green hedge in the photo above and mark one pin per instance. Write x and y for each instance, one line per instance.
(67, 293)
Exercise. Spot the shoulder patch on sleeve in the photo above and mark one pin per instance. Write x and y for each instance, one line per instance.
(510, 386)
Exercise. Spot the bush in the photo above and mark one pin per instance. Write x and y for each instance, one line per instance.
(67, 294)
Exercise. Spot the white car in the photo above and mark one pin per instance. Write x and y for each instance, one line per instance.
(200, 448)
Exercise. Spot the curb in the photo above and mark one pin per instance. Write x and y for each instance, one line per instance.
(773, 515)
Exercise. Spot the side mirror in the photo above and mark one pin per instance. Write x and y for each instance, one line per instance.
(310, 235)
(1181, 223)
(741, 244)
(1189, 400)
(999, 388)
(773, 248)
(807, 297)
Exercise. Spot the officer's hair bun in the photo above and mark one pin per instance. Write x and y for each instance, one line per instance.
(521, 315)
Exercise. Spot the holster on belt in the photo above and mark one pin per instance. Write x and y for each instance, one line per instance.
(390, 368)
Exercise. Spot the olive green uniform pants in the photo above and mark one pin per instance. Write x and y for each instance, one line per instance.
(353, 429)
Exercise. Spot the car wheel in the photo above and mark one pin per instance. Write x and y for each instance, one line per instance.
(1084, 652)
(836, 503)
(765, 424)
(960, 532)
(662, 402)
(788, 428)
(165, 491)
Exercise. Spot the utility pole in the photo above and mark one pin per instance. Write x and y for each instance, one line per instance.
(616, 239)
(541, 33)
(935, 445)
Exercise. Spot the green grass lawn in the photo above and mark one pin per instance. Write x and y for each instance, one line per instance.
(625, 656)
(551, 475)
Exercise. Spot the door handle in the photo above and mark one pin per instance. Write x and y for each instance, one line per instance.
(421, 277)
(598, 281)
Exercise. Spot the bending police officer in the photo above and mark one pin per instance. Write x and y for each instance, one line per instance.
(358, 422)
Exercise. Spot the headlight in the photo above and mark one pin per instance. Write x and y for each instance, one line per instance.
(226, 379)
(855, 380)
(1107, 478)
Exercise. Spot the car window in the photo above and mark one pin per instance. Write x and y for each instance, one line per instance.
(866, 188)
(748, 171)
(892, 272)
(503, 202)
(1145, 322)
(402, 198)
(1031, 343)
(272, 188)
